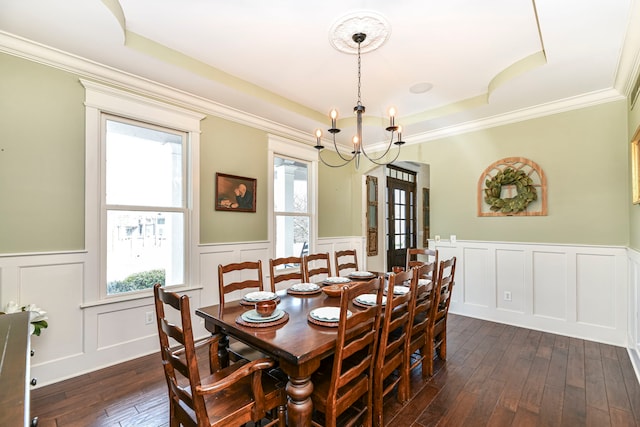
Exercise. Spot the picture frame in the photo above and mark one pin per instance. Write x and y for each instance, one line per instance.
(425, 217)
(635, 167)
(235, 193)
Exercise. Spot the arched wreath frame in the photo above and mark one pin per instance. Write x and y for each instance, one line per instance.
(530, 169)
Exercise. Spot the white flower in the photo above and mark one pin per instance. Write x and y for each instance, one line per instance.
(12, 307)
(37, 316)
(36, 313)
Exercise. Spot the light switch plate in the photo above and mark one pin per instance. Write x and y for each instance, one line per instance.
(452, 239)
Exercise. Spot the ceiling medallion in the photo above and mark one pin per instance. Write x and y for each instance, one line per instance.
(374, 25)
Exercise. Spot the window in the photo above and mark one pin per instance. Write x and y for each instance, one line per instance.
(141, 216)
(291, 206)
(293, 179)
(144, 205)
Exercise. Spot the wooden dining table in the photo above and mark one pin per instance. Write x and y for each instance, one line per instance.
(298, 345)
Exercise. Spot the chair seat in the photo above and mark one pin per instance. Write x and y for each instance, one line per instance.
(238, 394)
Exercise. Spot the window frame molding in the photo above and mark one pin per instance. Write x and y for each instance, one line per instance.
(278, 146)
(101, 99)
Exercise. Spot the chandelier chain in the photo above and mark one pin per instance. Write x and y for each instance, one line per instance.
(359, 76)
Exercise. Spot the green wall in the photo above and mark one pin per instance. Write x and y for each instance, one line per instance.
(339, 199)
(234, 149)
(41, 158)
(583, 154)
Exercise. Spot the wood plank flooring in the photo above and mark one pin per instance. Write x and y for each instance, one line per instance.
(495, 375)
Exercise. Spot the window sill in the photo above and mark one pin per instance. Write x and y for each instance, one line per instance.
(146, 294)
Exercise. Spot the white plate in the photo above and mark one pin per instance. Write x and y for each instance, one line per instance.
(369, 299)
(423, 282)
(361, 274)
(253, 316)
(304, 287)
(399, 290)
(327, 314)
(332, 280)
(259, 296)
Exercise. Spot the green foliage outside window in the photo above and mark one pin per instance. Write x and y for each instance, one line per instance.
(137, 282)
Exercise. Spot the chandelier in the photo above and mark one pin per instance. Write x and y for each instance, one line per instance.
(358, 146)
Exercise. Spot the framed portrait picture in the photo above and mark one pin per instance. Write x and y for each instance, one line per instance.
(635, 167)
(235, 193)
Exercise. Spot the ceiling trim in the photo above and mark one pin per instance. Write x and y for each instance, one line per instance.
(39, 53)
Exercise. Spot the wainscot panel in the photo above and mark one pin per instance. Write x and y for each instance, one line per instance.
(474, 271)
(634, 309)
(579, 291)
(510, 280)
(332, 244)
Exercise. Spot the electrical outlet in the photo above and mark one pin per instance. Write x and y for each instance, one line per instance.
(453, 238)
(437, 239)
(148, 318)
(507, 295)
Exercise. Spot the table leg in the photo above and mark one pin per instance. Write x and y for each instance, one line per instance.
(223, 354)
(300, 406)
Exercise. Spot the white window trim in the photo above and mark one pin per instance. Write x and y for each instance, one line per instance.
(288, 148)
(106, 99)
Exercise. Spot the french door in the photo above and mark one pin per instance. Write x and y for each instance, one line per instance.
(401, 215)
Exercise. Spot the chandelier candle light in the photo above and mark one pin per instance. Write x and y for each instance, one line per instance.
(359, 109)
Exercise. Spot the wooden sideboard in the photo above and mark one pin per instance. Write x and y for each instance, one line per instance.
(15, 379)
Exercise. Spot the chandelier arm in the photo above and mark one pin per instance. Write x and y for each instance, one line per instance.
(346, 161)
(375, 161)
(383, 154)
(335, 145)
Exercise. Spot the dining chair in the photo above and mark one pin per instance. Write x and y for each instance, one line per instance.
(422, 294)
(239, 276)
(346, 260)
(233, 277)
(439, 311)
(234, 395)
(316, 267)
(293, 270)
(390, 360)
(342, 386)
(417, 256)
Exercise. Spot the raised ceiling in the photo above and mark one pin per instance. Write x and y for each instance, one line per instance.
(488, 61)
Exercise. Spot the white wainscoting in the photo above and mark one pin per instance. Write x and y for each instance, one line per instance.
(331, 244)
(84, 336)
(578, 291)
(634, 309)
(582, 291)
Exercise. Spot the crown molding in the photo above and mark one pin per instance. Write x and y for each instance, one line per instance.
(542, 110)
(87, 69)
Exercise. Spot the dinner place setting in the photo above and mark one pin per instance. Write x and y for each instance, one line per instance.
(301, 289)
(265, 312)
(326, 316)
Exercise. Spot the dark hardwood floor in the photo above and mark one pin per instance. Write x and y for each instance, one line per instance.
(496, 375)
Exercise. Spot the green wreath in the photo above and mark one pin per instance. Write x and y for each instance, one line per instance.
(509, 176)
